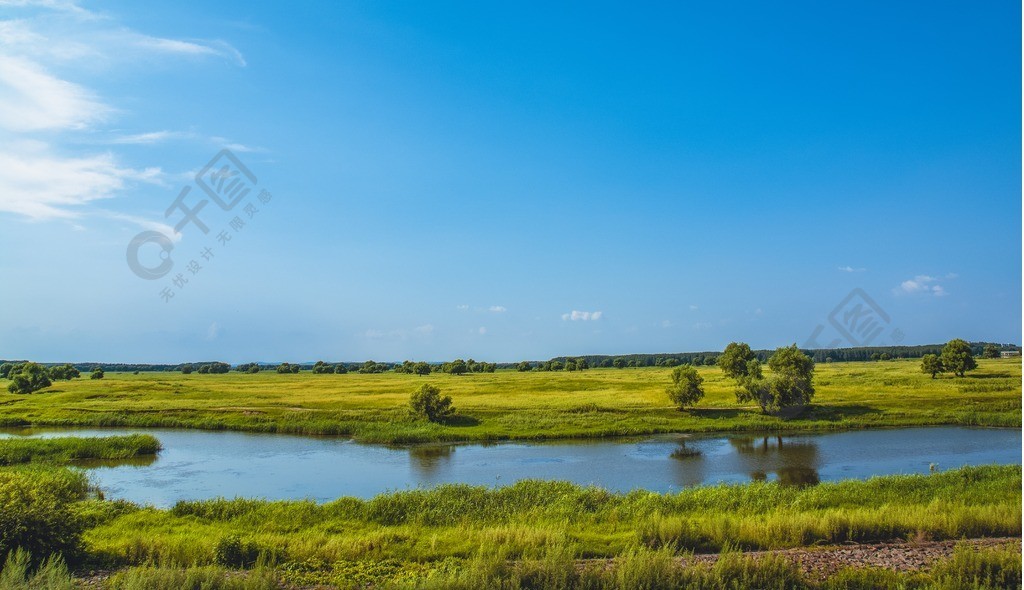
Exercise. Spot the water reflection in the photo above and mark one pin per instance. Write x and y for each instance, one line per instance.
(794, 461)
(140, 461)
(428, 460)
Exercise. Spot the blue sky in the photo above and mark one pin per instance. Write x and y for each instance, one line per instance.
(507, 182)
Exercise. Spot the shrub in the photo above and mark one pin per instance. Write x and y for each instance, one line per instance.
(38, 513)
(427, 402)
(686, 387)
(28, 377)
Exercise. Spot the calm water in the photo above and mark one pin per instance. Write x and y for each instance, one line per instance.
(197, 464)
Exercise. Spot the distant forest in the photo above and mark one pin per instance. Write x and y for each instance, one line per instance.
(820, 355)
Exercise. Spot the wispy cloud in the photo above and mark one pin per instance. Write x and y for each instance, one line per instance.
(40, 185)
(851, 269)
(497, 309)
(584, 316)
(31, 99)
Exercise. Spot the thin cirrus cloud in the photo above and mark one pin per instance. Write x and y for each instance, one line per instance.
(851, 269)
(51, 176)
(582, 316)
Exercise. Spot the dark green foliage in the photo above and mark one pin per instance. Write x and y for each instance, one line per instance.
(427, 402)
(957, 357)
(789, 386)
(38, 514)
(97, 373)
(251, 368)
(456, 367)
(524, 366)
(991, 351)
(686, 387)
(371, 367)
(286, 368)
(340, 369)
(186, 369)
(321, 368)
(27, 378)
(932, 365)
(734, 360)
(5, 369)
(64, 372)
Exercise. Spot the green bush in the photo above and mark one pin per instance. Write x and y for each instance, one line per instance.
(18, 574)
(38, 511)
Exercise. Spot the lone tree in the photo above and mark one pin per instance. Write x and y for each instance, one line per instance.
(97, 373)
(790, 385)
(421, 368)
(957, 358)
(427, 402)
(932, 364)
(735, 360)
(991, 351)
(186, 369)
(28, 377)
(686, 389)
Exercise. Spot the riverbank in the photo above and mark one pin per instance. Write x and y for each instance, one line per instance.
(65, 450)
(534, 533)
(509, 405)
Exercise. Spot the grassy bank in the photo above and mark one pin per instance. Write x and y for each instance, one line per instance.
(527, 518)
(533, 534)
(70, 449)
(512, 405)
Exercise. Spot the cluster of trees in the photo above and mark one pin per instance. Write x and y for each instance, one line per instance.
(287, 368)
(566, 364)
(789, 385)
(28, 377)
(249, 368)
(411, 368)
(461, 367)
(956, 357)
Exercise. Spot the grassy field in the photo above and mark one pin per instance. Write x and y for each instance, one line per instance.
(513, 405)
(70, 449)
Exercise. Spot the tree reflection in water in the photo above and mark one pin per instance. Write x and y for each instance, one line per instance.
(427, 459)
(794, 462)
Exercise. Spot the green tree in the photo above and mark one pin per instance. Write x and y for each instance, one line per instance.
(97, 373)
(427, 402)
(28, 377)
(5, 370)
(421, 368)
(991, 351)
(686, 389)
(321, 368)
(340, 369)
(524, 366)
(734, 359)
(284, 368)
(789, 386)
(957, 358)
(619, 363)
(65, 372)
(456, 367)
(186, 369)
(932, 364)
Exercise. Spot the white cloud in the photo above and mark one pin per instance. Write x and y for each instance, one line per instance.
(425, 329)
(40, 185)
(213, 331)
(694, 308)
(33, 100)
(482, 330)
(666, 323)
(149, 138)
(497, 309)
(584, 316)
(851, 269)
(922, 285)
(462, 307)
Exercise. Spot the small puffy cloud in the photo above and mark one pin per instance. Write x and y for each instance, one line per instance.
(851, 269)
(462, 307)
(425, 329)
(922, 285)
(584, 316)
(497, 309)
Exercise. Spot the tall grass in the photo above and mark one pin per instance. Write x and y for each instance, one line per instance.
(38, 511)
(14, 451)
(525, 518)
(19, 574)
